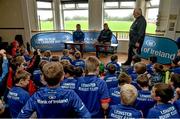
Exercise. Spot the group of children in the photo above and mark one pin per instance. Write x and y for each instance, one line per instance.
(47, 86)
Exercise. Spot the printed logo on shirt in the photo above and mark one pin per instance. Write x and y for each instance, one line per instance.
(60, 101)
(171, 111)
(121, 114)
(52, 97)
(116, 93)
(13, 96)
(68, 85)
(110, 79)
(88, 87)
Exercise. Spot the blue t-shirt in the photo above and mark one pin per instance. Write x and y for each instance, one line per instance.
(115, 95)
(79, 63)
(176, 70)
(144, 101)
(130, 71)
(68, 83)
(149, 68)
(122, 111)
(55, 103)
(78, 36)
(17, 98)
(37, 78)
(156, 78)
(115, 64)
(111, 80)
(46, 59)
(177, 105)
(164, 111)
(66, 58)
(92, 90)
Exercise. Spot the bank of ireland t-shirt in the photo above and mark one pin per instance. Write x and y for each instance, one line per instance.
(114, 94)
(164, 111)
(92, 91)
(122, 111)
(55, 103)
(144, 101)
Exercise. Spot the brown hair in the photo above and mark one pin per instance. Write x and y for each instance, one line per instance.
(47, 53)
(175, 78)
(124, 79)
(140, 68)
(21, 75)
(77, 55)
(158, 67)
(114, 57)
(143, 80)
(65, 52)
(53, 72)
(164, 91)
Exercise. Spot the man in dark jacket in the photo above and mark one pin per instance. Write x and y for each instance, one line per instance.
(136, 35)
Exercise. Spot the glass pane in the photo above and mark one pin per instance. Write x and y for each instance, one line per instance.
(151, 19)
(69, 6)
(119, 20)
(82, 5)
(73, 17)
(44, 5)
(111, 4)
(128, 4)
(45, 18)
(154, 2)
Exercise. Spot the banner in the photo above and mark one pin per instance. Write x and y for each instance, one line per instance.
(164, 48)
(54, 41)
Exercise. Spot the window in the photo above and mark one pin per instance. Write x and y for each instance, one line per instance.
(119, 15)
(45, 15)
(76, 13)
(152, 8)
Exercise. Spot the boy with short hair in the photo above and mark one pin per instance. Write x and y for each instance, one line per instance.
(162, 93)
(66, 55)
(144, 100)
(115, 92)
(128, 96)
(78, 62)
(110, 77)
(92, 90)
(18, 96)
(114, 61)
(53, 101)
(69, 81)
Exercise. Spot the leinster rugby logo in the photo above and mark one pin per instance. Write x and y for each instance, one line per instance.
(52, 97)
(150, 43)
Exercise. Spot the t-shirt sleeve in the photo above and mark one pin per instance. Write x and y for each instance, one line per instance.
(28, 109)
(79, 106)
(152, 114)
(104, 93)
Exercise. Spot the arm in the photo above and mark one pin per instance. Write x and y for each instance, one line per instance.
(28, 109)
(141, 30)
(4, 68)
(79, 106)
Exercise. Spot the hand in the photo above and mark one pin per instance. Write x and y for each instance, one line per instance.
(137, 45)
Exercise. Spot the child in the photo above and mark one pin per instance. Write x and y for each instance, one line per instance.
(18, 96)
(128, 96)
(47, 55)
(115, 92)
(114, 61)
(53, 101)
(78, 73)
(78, 62)
(111, 77)
(152, 61)
(162, 93)
(69, 81)
(144, 100)
(66, 55)
(175, 66)
(92, 90)
(157, 75)
(55, 58)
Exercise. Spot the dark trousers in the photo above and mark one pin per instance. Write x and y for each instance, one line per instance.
(131, 53)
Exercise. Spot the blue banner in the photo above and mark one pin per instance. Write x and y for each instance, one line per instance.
(54, 41)
(164, 48)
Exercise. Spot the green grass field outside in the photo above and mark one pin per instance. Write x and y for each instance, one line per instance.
(114, 25)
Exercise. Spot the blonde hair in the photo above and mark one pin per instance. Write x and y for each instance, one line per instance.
(21, 75)
(65, 62)
(92, 63)
(19, 60)
(128, 94)
(65, 52)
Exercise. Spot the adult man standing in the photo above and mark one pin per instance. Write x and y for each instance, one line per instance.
(136, 35)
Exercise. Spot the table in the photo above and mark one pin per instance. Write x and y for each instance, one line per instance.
(80, 44)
